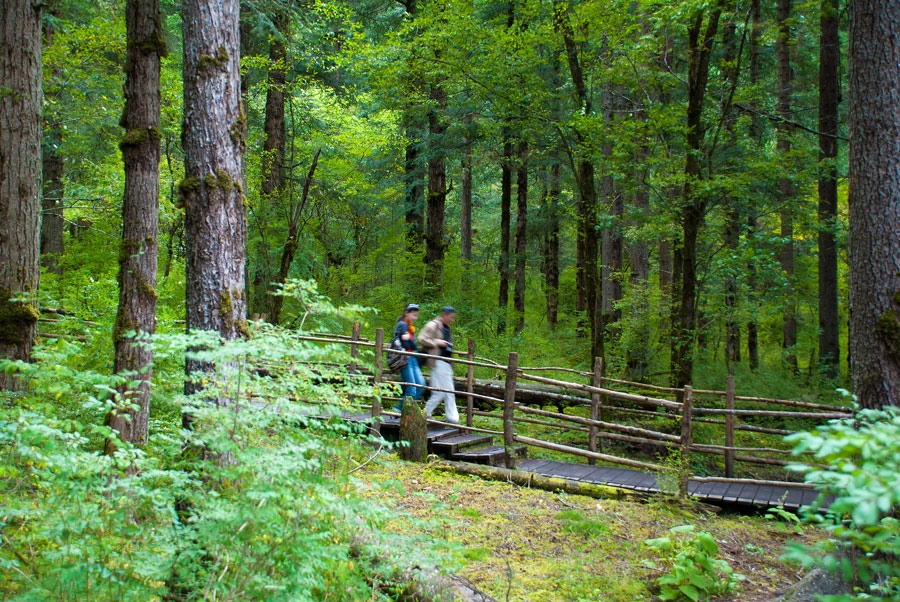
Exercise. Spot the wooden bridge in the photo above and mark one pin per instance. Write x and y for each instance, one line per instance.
(504, 446)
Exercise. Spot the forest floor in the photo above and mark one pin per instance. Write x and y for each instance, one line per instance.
(520, 544)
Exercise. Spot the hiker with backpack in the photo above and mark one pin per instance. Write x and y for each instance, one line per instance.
(437, 340)
(404, 338)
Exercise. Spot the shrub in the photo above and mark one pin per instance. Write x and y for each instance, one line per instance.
(862, 470)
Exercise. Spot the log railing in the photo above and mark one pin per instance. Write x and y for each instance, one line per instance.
(684, 410)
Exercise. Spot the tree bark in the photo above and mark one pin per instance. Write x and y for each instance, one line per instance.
(521, 235)
(465, 198)
(785, 184)
(140, 220)
(639, 263)
(611, 241)
(756, 133)
(53, 191)
(435, 245)
(691, 212)
(506, 170)
(415, 192)
(272, 162)
(20, 178)
(292, 242)
(829, 98)
(584, 176)
(874, 202)
(212, 192)
(733, 220)
(552, 245)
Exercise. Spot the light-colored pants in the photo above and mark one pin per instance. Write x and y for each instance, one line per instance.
(442, 378)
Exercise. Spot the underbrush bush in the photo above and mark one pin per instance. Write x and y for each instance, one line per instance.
(693, 571)
(861, 458)
(256, 501)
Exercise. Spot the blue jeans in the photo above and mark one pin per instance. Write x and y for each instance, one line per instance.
(411, 373)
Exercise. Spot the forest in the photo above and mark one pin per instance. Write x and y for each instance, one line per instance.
(194, 195)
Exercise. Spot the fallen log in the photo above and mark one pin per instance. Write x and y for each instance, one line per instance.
(537, 481)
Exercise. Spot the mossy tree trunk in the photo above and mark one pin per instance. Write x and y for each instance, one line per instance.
(874, 202)
(414, 430)
(521, 234)
(435, 245)
(140, 219)
(20, 177)
(52, 189)
(212, 191)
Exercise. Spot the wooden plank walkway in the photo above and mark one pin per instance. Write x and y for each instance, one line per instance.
(739, 494)
(455, 444)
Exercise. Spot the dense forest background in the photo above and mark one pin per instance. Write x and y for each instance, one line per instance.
(442, 153)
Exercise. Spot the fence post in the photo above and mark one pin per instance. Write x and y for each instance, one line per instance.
(376, 372)
(595, 407)
(729, 428)
(509, 402)
(685, 439)
(470, 383)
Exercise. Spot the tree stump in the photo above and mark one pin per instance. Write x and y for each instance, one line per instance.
(414, 430)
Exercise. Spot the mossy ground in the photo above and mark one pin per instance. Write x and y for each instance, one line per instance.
(541, 546)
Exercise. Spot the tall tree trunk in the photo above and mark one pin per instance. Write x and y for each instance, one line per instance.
(691, 212)
(53, 167)
(521, 234)
(639, 260)
(733, 220)
(435, 245)
(785, 184)
(506, 170)
(212, 191)
(874, 202)
(292, 242)
(584, 176)
(272, 162)
(414, 177)
(465, 198)
(20, 178)
(53, 190)
(580, 288)
(829, 98)
(611, 241)
(552, 257)
(756, 133)
(140, 218)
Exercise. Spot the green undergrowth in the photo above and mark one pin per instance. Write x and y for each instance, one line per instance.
(526, 544)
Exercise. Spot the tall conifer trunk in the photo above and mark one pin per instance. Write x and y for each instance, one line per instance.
(693, 204)
(53, 168)
(521, 234)
(552, 245)
(272, 162)
(829, 98)
(212, 191)
(506, 170)
(435, 245)
(874, 202)
(465, 199)
(140, 217)
(756, 133)
(20, 178)
(733, 222)
(785, 184)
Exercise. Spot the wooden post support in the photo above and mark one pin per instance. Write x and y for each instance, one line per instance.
(470, 383)
(729, 428)
(686, 439)
(377, 368)
(595, 408)
(509, 402)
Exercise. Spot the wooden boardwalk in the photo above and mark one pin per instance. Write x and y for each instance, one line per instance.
(455, 444)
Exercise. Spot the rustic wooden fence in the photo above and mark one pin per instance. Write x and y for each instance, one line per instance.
(687, 406)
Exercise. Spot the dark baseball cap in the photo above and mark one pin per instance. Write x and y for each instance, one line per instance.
(448, 309)
(411, 307)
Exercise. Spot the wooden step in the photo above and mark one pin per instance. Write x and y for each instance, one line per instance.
(437, 432)
(459, 443)
(493, 455)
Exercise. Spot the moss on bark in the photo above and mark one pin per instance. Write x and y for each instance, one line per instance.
(15, 317)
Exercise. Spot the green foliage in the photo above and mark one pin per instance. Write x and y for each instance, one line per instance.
(575, 522)
(862, 469)
(694, 571)
(255, 502)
